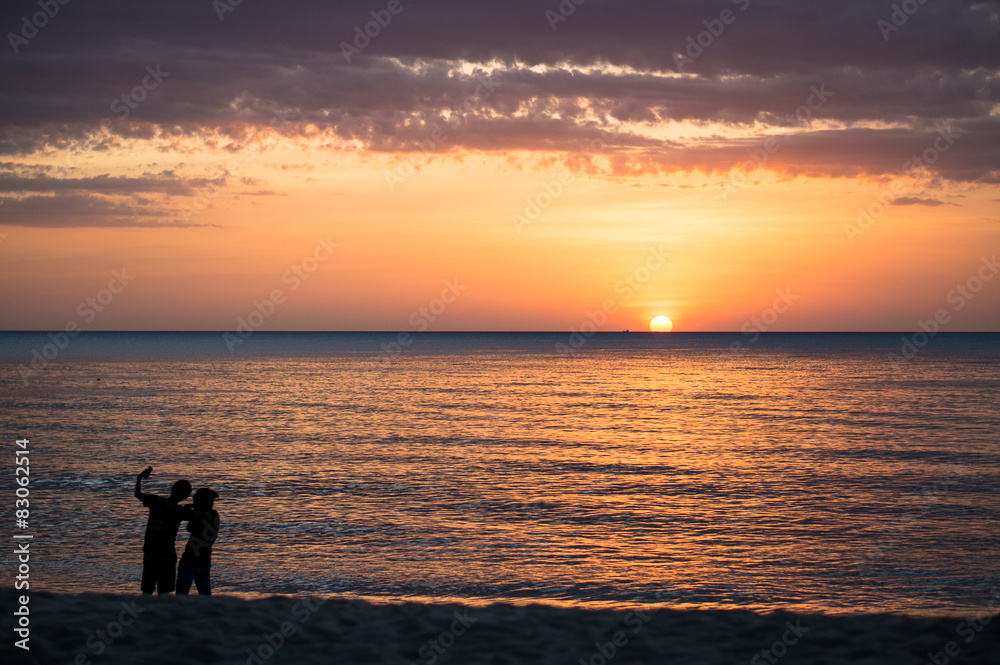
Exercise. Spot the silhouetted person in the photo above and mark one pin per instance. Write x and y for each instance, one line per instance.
(159, 558)
(196, 562)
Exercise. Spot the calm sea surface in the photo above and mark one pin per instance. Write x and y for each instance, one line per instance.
(807, 472)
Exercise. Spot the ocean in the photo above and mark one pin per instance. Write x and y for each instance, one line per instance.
(837, 473)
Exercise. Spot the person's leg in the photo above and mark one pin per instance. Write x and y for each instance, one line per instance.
(166, 578)
(148, 583)
(203, 580)
(184, 576)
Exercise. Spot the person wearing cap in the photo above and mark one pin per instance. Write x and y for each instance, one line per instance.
(196, 562)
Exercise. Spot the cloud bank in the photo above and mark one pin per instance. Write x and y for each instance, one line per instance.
(848, 89)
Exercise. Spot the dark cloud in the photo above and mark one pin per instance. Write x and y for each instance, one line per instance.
(915, 201)
(100, 74)
(770, 37)
(31, 197)
(66, 210)
(106, 184)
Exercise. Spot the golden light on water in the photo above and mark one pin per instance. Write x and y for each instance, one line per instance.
(661, 324)
(658, 471)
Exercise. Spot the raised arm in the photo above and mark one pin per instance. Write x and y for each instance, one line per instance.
(138, 481)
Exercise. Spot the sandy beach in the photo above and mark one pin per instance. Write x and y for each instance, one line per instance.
(99, 629)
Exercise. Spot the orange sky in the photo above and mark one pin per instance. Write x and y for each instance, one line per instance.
(549, 198)
(465, 216)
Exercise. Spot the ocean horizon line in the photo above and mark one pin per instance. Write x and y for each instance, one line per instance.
(511, 332)
(41, 347)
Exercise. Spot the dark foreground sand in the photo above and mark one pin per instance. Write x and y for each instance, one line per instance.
(104, 629)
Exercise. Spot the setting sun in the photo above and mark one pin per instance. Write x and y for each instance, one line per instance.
(661, 324)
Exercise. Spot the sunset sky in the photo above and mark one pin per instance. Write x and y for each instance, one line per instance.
(504, 165)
